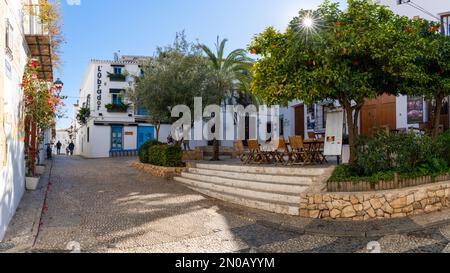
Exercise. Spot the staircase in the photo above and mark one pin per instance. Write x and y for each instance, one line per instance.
(274, 189)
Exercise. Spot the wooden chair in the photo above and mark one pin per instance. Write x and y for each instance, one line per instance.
(255, 153)
(239, 150)
(297, 148)
(282, 151)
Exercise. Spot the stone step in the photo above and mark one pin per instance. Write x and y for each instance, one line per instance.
(269, 197)
(251, 185)
(273, 170)
(272, 178)
(252, 203)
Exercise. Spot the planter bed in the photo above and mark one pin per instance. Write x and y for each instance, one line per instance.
(158, 171)
(397, 183)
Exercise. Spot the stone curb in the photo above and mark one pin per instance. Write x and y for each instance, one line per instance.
(37, 220)
(362, 231)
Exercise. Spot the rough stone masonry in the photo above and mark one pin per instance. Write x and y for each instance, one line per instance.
(376, 205)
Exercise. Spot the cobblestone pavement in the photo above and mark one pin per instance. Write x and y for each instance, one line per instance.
(106, 206)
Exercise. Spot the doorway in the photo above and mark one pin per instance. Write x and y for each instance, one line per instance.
(145, 133)
(300, 120)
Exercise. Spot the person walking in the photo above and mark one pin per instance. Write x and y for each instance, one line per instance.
(58, 148)
(49, 151)
(71, 148)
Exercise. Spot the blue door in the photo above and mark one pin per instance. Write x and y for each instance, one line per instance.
(116, 138)
(145, 133)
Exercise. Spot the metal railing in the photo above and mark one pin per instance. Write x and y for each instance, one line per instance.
(123, 153)
(32, 22)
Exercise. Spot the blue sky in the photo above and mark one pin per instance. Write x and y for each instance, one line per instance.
(95, 29)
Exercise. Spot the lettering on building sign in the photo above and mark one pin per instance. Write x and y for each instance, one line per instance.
(99, 87)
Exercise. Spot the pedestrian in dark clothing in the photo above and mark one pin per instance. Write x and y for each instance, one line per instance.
(49, 151)
(71, 148)
(58, 148)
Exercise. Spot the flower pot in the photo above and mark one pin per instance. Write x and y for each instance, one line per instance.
(40, 169)
(345, 154)
(31, 183)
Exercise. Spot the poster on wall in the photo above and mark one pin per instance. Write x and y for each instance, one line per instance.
(311, 117)
(415, 110)
(334, 133)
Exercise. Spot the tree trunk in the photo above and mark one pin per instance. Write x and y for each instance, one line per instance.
(352, 116)
(437, 114)
(33, 150)
(216, 152)
(157, 128)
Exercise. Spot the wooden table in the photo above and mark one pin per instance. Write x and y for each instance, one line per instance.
(314, 151)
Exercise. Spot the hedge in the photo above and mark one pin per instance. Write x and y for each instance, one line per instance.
(143, 151)
(165, 155)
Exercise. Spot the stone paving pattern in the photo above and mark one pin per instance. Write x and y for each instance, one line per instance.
(107, 206)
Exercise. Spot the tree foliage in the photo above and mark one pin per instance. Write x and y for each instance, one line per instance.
(347, 56)
(433, 65)
(176, 75)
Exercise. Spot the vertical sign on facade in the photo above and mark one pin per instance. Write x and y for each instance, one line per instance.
(99, 87)
(334, 133)
(415, 110)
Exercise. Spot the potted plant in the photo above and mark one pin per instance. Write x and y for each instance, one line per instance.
(122, 107)
(31, 182)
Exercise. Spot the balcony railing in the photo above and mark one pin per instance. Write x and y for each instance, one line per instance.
(32, 23)
(39, 40)
(117, 108)
(117, 77)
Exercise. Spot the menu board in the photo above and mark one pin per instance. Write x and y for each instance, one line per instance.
(334, 133)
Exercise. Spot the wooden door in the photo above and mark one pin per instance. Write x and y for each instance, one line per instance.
(381, 111)
(300, 121)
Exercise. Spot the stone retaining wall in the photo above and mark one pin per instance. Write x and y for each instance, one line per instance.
(194, 155)
(164, 172)
(376, 205)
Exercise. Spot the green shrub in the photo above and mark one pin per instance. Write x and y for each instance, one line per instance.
(408, 154)
(443, 146)
(345, 173)
(165, 155)
(144, 150)
(372, 155)
(403, 153)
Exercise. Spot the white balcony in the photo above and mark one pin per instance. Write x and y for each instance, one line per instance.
(38, 39)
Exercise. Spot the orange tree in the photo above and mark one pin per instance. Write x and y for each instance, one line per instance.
(347, 56)
(434, 65)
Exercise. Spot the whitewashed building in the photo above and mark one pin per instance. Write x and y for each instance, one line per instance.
(115, 126)
(22, 36)
(13, 57)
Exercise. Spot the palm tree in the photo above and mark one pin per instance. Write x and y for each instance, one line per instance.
(232, 77)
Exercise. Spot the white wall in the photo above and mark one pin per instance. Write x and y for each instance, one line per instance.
(130, 137)
(164, 132)
(435, 7)
(12, 163)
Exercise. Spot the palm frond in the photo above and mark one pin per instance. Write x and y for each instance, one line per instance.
(212, 57)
